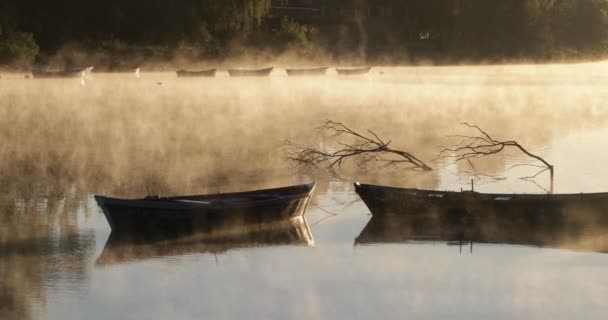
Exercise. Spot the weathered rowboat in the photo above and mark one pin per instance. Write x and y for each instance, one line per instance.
(72, 73)
(135, 71)
(306, 72)
(199, 73)
(190, 213)
(124, 247)
(577, 228)
(250, 72)
(353, 71)
(383, 200)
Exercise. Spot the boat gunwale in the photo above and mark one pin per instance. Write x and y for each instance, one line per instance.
(420, 193)
(196, 73)
(213, 200)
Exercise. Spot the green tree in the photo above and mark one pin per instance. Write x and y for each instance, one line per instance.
(18, 49)
(581, 25)
(291, 34)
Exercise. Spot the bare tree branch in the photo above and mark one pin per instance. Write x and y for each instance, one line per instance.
(483, 145)
(363, 149)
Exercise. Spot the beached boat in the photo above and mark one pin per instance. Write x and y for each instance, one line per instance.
(122, 71)
(306, 72)
(353, 71)
(579, 228)
(71, 73)
(189, 213)
(383, 200)
(124, 247)
(250, 72)
(199, 73)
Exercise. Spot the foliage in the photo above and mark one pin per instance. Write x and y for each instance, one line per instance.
(291, 34)
(18, 49)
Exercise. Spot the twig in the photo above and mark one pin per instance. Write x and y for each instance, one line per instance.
(323, 209)
(483, 145)
(364, 150)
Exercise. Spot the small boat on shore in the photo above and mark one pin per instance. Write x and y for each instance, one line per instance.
(198, 73)
(250, 72)
(135, 71)
(70, 73)
(353, 71)
(124, 247)
(190, 213)
(306, 72)
(384, 200)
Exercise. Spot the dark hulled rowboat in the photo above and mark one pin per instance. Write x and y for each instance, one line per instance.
(383, 200)
(119, 71)
(306, 72)
(201, 73)
(250, 73)
(129, 247)
(353, 71)
(190, 213)
(57, 74)
(75, 73)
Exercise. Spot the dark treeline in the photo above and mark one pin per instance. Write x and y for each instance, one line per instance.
(133, 27)
(441, 30)
(470, 30)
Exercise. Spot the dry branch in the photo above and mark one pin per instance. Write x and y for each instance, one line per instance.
(483, 145)
(363, 149)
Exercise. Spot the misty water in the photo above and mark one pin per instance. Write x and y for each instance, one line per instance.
(64, 141)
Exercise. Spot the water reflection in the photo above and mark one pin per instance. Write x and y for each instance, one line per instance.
(44, 242)
(30, 267)
(129, 247)
(584, 229)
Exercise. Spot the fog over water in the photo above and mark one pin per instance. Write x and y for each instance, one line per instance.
(65, 140)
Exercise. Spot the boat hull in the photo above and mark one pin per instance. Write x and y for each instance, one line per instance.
(306, 72)
(566, 221)
(194, 74)
(250, 73)
(383, 200)
(190, 213)
(58, 74)
(353, 71)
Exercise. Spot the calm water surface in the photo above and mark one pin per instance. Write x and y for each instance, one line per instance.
(64, 141)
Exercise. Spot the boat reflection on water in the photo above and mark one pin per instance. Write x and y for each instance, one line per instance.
(567, 228)
(124, 247)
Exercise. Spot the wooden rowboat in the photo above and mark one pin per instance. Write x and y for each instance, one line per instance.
(353, 71)
(251, 72)
(201, 73)
(72, 73)
(130, 247)
(564, 221)
(190, 213)
(306, 72)
(383, 200)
